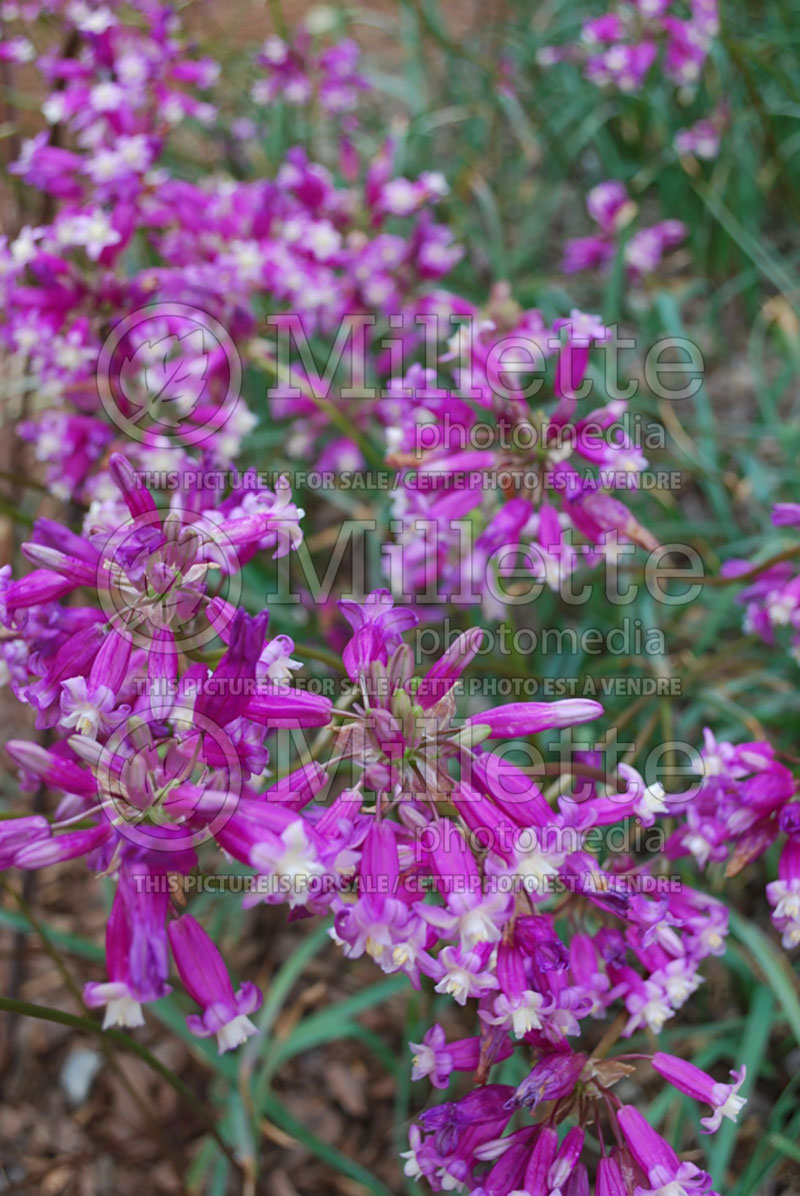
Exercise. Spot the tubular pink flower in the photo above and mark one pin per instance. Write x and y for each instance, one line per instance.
(58, 771)
(17, 832)
(541, 1160)
(137, 959)
(649, 1149)
(205, 977)
(287, 708)
(723, 1098)
(609, 1180)
(441, 676)
(56, 850)
(378, 628)
(528, 718)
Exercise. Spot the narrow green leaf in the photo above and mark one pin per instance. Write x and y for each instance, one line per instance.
(70, 942)
(288, 975)
(790, 1149)
(778, 975)
(322, 1027)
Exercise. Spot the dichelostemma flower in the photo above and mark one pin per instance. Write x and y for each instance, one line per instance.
(723, 1098)
(205, 977)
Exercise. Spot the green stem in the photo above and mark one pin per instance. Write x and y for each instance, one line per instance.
(322, 655)
(278, 19)
(788, 554)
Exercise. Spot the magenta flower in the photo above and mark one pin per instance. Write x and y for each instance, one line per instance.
(619, 48)
(378, 628)
(16, 832)
(519, 1008)
(205, 978)
(786, 514)
(772, 597)
(554, 1076)
(470, 543)
(137, 957)
(723, 1098)
(609, 1180)
(660, 1166)
(612, 210)
(783, 894)
(528, 718)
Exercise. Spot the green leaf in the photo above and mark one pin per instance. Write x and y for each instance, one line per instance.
(322, 1027)
(70, 942)
(790, 1149)
(288, 975)
(778, 975)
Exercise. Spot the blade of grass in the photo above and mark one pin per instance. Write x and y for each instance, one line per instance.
(612, 303)
(414, 1028)
(779, 1122)
(70, 942)
(777, 973)
(767, 264)
(288, 975)
(708, 438)
(322, 1027)
(790, 1149)
(493, 223)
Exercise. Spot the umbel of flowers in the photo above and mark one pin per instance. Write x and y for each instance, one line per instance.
(620, 48)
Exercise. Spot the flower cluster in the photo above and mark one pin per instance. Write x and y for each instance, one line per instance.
(702, 139)
(176, 726)
(612, 210)
(772, 596)
(440, 857)
(228, 252)
(494, 484)
(150, 776)
(152, 748)
(743, 805)
(619, 48)
(302, 72)
(463, 1145)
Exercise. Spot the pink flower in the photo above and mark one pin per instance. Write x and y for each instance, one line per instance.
(723, 1098)
(205, 977)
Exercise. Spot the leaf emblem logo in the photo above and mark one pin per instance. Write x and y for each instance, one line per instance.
(164, 379)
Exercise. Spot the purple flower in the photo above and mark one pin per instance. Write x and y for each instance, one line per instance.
(786, 514)
(433, 1059)
(723, 1098)
(205, 977)
(16, 832)
(378, 628)
(528, 718)
(552, 1078)
(658, 1161)
(137, 958)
